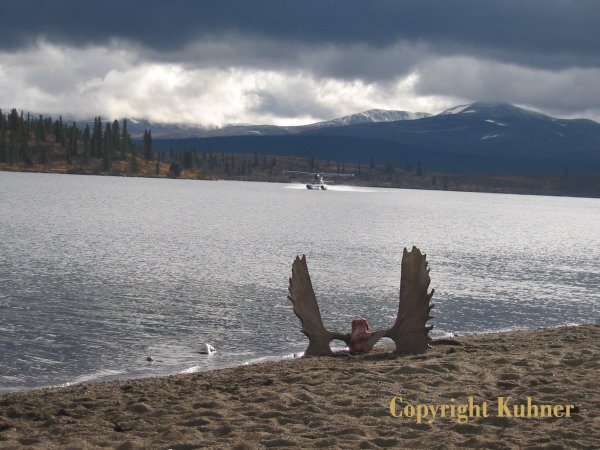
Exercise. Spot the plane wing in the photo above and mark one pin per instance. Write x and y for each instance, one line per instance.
(336, 174)
(323, 174)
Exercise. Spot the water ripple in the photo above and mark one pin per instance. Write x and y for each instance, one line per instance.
(99, 273)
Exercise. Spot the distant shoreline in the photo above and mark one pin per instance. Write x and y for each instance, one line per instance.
(546, 185)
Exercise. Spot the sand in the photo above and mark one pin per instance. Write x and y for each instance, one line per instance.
(337, 402)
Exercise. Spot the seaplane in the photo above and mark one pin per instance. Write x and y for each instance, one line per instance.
(318, 178)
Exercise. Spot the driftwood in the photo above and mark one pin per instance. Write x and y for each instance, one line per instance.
(409, 332)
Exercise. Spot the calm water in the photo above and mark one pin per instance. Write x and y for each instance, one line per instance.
(97, 273)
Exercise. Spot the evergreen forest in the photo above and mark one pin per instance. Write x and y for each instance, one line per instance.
(101, 147)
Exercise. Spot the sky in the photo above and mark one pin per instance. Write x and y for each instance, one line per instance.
(291, 62)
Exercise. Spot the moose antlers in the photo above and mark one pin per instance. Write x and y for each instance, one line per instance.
(409, 331)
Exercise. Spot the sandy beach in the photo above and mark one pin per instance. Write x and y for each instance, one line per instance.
(472, 395)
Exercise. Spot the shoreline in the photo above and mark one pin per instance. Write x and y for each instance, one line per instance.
(258, 360)
(336, 401)
(547, 185)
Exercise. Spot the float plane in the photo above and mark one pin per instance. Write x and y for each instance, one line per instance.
(318, 181)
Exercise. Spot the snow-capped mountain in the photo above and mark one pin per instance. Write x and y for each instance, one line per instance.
(493, 110)
(478, 137)
(161, 130)
(370, 116)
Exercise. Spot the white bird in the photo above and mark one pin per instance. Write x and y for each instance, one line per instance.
(206, 349)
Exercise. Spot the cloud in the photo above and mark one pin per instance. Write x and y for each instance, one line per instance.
(349, 62)
(116, 83)
(565, 92)
(295, 62)
(555, 33)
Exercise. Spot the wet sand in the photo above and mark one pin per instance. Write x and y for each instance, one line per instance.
(339, 402)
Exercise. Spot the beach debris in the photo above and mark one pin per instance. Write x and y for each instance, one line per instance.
(409, 332)
(149, 359)
(206, 349)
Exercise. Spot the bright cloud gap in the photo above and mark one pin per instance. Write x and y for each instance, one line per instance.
(121, 80)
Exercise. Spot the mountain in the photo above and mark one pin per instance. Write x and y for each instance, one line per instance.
(478, 137)
(489, 136)
(370, 116)
(494, 111)
(136, 128)
(160, 130)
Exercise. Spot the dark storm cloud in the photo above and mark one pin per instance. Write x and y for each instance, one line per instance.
(216, 61)
(543, 33)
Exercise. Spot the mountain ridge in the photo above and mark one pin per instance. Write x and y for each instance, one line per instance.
(162, 130)
(370, 116)
(480, 136)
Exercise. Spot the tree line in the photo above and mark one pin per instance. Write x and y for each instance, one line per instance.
(38, 140)
(39, 143)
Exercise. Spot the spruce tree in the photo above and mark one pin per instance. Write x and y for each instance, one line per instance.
(148, 146)
(96, 143)
(39, 131)
(59, 132)
(125, 139)
(107, 149)
(86, 145)
(68, 145)
(107, 144)
(13, 120)
(116, 140)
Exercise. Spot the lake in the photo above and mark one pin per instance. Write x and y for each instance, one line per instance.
(98, 273)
